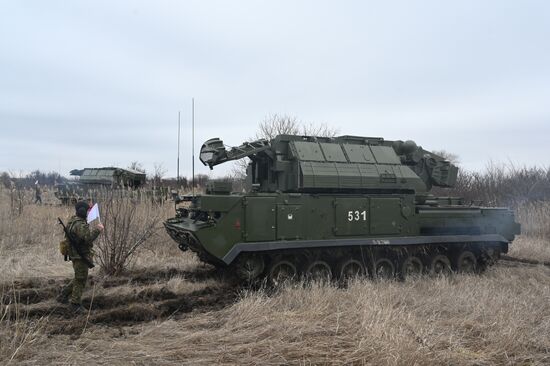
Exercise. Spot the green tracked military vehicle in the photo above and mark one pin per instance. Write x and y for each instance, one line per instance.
(338, 207)
(97, 179)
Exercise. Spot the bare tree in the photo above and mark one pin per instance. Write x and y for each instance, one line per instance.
(321, 130)
(137, 166)
(159, 173)
(277, 124)
(201, 180)
(453, 158)
(17, 193)
(128, 225)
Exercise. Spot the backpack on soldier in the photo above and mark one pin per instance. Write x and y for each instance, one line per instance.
(64, 248)
(65, 245)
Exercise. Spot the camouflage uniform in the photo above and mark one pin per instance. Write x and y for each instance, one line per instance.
(38, 195)
(80, 230)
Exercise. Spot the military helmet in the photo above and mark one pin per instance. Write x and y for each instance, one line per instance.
(81, 208)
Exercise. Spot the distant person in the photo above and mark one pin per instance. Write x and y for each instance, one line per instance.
(37, 194)
(82, 237)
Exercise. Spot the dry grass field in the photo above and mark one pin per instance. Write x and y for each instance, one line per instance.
(169, 309)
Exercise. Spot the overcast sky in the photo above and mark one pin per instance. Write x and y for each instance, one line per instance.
(95, 83)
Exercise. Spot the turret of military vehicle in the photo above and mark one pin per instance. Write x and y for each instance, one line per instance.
(90, 179)
(338, 207)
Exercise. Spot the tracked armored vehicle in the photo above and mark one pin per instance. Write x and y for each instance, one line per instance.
(93, 179)
(338, 207)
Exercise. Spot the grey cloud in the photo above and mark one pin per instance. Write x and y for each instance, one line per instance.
(456, 76)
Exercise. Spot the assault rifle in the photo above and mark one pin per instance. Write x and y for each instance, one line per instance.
(75, 246)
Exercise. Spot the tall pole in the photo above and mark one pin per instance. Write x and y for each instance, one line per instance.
(178, 179)
(193, 142)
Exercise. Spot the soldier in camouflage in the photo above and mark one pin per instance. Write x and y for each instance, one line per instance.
(37, 194)
(84, 236)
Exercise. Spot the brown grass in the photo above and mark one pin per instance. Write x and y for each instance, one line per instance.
(17, 331)
(467, 320)
(499, 317)
(535, 219)
(422, 322)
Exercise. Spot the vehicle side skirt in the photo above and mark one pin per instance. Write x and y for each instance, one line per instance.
(341, 242)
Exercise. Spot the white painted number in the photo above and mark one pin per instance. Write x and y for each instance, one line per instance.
(357, 215)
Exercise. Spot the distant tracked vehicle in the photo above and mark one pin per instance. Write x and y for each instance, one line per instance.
(93, 179)
(336, 208)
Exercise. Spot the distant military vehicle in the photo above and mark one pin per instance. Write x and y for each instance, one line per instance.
(338, 207)
(91, 179)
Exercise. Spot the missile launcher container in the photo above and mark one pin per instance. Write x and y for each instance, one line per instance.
(339, 207)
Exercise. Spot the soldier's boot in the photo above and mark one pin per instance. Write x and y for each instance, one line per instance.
(77, 309)
(62, 298)
(65, 293)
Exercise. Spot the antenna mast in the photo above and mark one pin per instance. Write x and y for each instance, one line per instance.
(178, 179)
(193, 142)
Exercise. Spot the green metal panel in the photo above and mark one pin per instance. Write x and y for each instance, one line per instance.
(408, 174)
(290, 219)
(318, 175)
(307, 175)
(359, 153)
(349, 175)
(351, 216)
(388, 174)
(259, 218)
(385, 155)
(318, 216)
(333, 152)
(369, 175)
(309, 151)
(219, 203)
(385, 215)
(357, 176)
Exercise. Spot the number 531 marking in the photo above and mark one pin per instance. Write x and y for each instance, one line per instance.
(357, 215)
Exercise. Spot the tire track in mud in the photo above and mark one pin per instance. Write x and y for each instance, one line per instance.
(177, 306)
(523, 261)
(136, 297)
(35, 290)
(122, 301)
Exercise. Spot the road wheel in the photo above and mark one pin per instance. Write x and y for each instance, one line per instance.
(411, 267)
(384, 269)
(281, 272)
(440, 265)
(350, 268)
(319, 271)
(249, 267)
(466, 262)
